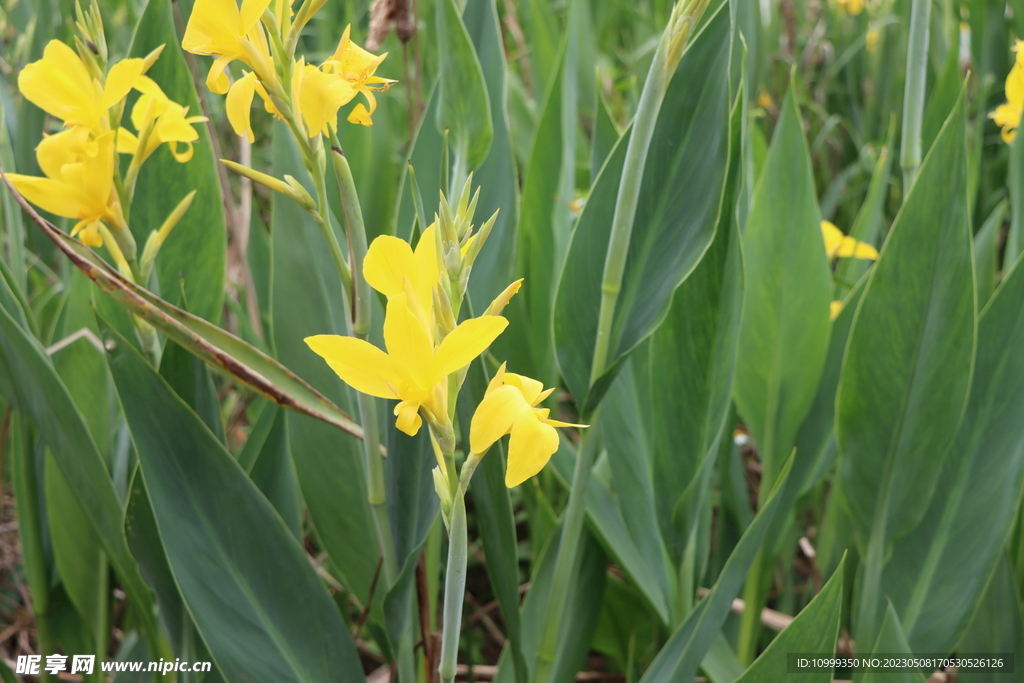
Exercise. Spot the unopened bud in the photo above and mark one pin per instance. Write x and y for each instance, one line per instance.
(500, 301)
(443, 313)
(151, 58)
(289, 186)
(443, 494)
(481, 237)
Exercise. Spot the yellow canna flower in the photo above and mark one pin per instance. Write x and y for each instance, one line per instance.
(79, 181)
(413, 370)
(357, 66)
(509, 407)
(838, 245)
(169, 120)
(854, 7)
(1007, 115)
(60, 84)
(390, 261)
(239, 103)
(222, 29)
(319, 96)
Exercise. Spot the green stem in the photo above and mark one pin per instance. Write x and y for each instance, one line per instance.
(913, 92)
(568, 548)
(454, 589)
(629, 193)
(753, 598)
(355, 234)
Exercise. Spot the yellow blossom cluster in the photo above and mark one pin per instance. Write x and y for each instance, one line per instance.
(79, 162)
(290, 89)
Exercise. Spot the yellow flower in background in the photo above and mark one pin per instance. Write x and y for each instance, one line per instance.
(357, 66)
(854, 7)
(834, 309)
(838, 245)
(319, 96)
(222, 29)
(167, 121)
(871, 39)
(510, 407)
(61, 85)
(390, 261)
(1007, 116)
(412, 370)
(79, 181)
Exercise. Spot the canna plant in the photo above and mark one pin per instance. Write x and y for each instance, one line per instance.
(657, 377)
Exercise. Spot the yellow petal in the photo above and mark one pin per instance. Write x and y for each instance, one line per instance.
(409, 420)
(216, 79)
(120, 80)
(466, 342)
(60, 85)
(127, 143)
(238, 103)
(360, 364)
(251, 12)
(360, 116)
(833, 237)
(559, 423)
(409, 347)
(88, 233)
(530, 387)
(387, 262)
(427, 274)
(49, 195)
(530, 447)
(494, 416)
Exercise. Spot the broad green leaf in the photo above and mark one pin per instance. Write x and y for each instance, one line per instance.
(986, 252)
(611, 529)
(997, 626)
(581, 611)
(785, 321)
(218, 348)
(1015, 181)
(627, 473)
(691, 641)
(815, 630)
(691, 367)
(938, 572)
(815, 440)
(274, 473)
(465, 108)
(908, 362)
(196, 249)
(239, 569)
(678, 206)
(943, 97)
(30, 382)
(495, 521)
(541, 26)
(606, 134)
(870, 220)
(306, 299)
(190, 379)
(892, 641)
(544, 229)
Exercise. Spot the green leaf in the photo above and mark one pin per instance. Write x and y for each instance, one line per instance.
(306, 299)
(908, 362)
(543, 231)
(815, 440)
(815, 629)
(239, 569)
(29, 381)
(611, 529)
(677, 210)
(870, 219)
(937, 573)
(195, 251)
(190, 379)
(581, 614)
(986, 252)
(465, 107)
(691, 368)
(217, 348)
(1015, 180)
(891, 640)
(691, 641)
(997, 626)
(274, 472)
(785, 321)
